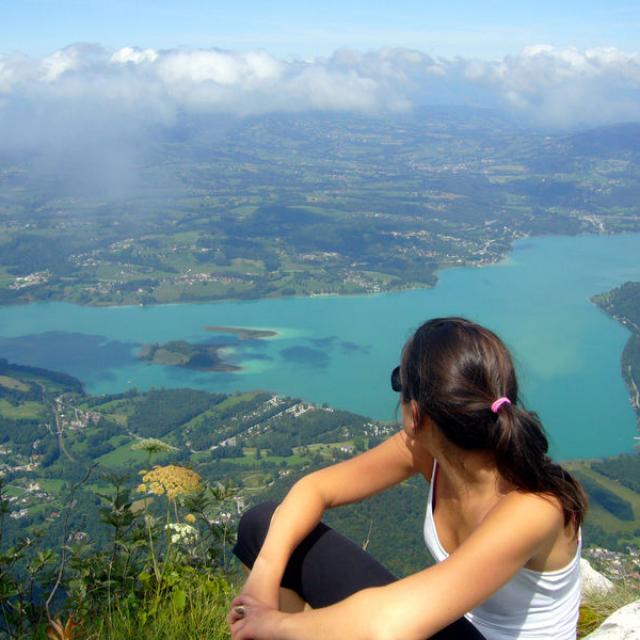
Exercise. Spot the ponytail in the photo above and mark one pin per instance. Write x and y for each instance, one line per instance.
(521, 459)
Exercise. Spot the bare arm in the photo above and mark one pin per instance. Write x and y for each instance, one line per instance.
(388, 464)
(416, 607)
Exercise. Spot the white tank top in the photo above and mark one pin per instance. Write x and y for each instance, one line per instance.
(533, 604)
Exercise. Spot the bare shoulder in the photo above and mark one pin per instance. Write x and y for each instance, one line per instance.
(541, 504)
(537, 520)
(541, 513)
(521, 523)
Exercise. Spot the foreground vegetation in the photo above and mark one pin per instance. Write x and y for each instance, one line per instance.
(599, 606)
(163, 574)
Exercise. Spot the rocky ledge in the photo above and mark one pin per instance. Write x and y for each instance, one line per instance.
(624, 624)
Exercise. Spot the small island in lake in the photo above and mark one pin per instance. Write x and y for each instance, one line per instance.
(244, 334)
(179, 353)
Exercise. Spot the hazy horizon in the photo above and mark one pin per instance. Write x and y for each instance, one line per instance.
(121, 66)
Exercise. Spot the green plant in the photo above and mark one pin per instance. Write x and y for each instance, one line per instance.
(162, 574)
(599, 606)
(198, 612)
(24, 569)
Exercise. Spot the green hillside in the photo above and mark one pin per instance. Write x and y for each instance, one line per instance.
(310, 203)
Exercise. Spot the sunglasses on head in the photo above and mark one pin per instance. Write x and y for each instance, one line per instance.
(396, 385)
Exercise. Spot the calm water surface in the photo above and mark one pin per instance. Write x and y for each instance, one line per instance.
(341, 350)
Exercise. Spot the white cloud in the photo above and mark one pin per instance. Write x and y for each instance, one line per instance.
(218, 67)
(59, 62)
(134, 56)
(555, 86)
(567, 87)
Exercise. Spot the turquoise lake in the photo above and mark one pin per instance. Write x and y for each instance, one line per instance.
(340, 350)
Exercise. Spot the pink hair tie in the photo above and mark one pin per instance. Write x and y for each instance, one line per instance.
(495, 407)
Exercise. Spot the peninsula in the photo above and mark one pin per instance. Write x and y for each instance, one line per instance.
(623, 304)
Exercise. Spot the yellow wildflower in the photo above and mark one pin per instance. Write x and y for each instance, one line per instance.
(142, 488)
(173, 480)
(156, 488)
(190, 518)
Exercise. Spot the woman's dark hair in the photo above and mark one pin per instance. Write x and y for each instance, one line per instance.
(454, 370)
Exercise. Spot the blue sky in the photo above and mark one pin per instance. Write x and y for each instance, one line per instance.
(298, 29)
(118, 66)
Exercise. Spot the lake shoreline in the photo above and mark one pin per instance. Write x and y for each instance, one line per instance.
(469, 264)
(221, 300)
(339, 349)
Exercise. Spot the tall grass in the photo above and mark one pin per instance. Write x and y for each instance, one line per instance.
(201, 616)
(599, 606)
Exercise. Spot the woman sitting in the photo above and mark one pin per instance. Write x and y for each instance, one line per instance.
(502, 522)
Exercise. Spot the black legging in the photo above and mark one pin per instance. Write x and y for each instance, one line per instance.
(326, 567)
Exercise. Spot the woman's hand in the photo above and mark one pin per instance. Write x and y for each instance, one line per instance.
(251, 619)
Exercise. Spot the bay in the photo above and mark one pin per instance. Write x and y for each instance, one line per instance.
(340, 350)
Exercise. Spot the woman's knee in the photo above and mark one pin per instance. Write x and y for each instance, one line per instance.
(254, 525)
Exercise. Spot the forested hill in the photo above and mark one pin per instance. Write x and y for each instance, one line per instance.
(623, 303)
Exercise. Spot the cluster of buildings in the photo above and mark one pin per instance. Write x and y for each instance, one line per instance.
(616, 565)
(20, 504)
(189, 278)
(74, 419)
(31, 280)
